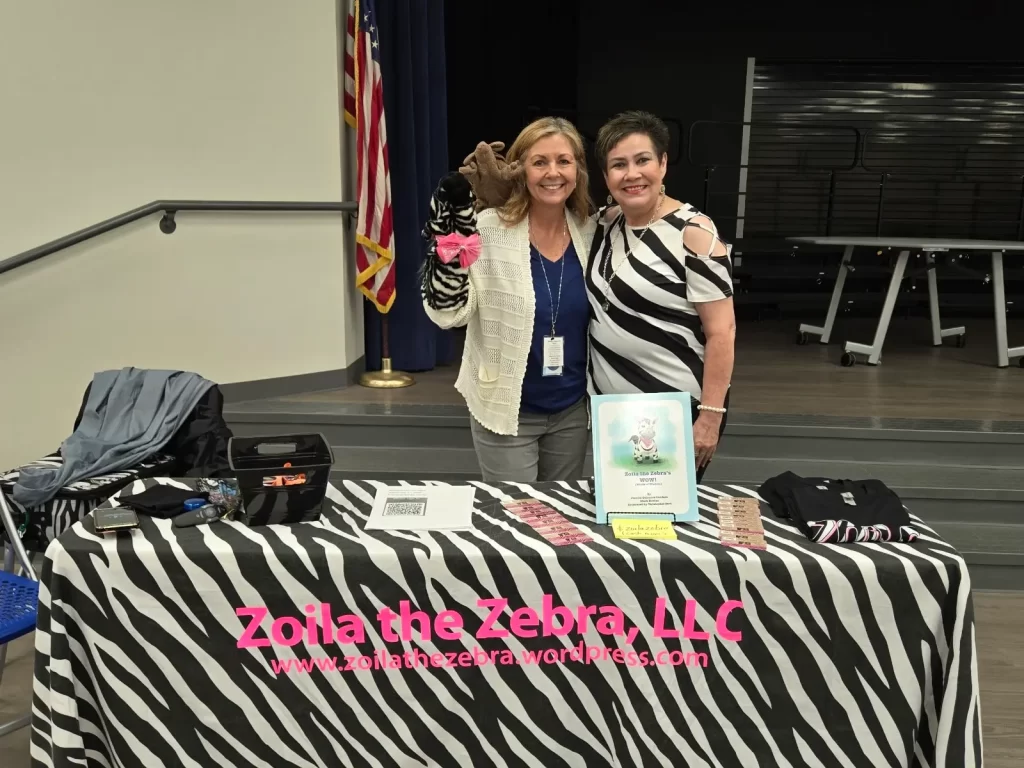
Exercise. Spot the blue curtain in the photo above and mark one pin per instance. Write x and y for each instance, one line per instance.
(415, 107)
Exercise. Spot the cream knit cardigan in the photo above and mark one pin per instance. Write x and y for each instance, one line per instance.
(498, 314)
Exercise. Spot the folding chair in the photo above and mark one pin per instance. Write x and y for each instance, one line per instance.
(19, 598)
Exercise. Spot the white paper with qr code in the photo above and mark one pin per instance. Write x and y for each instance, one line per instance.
(422, 508)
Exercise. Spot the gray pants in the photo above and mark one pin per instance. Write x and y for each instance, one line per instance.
(548, 447)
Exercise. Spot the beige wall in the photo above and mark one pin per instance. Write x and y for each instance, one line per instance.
(110, 104)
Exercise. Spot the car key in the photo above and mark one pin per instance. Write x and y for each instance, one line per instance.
(204, 514)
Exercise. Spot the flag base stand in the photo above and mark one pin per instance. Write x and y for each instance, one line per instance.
(386, 378)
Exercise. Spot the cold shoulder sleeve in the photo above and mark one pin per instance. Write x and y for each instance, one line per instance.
(707, 261)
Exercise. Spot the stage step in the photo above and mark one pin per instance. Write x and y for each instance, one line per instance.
(945, 442)
(964, 478)
(431, 462)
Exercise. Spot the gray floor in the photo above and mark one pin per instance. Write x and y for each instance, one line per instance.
(15, 701)
(775, 376)
(1000, 638)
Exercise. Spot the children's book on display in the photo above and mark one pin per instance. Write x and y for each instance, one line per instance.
(643, 457)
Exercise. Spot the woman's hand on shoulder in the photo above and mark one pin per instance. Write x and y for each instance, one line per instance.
(609, 214)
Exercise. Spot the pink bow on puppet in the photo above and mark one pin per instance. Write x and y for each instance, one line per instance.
(450, 246)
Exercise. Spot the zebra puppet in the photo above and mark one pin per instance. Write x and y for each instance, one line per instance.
(453, 243)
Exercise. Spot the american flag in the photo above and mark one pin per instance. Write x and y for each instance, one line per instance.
(364, 110)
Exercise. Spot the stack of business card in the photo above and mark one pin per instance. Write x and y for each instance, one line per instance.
(546, 521)
(739, 521)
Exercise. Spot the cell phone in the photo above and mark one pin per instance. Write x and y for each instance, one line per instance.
(115, 519)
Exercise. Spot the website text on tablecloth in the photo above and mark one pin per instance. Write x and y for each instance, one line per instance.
(478, 657)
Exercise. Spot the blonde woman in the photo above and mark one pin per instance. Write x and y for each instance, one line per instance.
(522, 297)
(659, 282)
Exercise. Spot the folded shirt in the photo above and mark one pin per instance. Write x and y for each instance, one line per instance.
(831, 511)
(161, 501)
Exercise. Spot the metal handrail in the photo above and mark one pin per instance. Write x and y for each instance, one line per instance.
(167, 223)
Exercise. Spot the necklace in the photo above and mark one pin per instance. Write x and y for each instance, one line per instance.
(629, 252)
(555, 303)
(562, 243)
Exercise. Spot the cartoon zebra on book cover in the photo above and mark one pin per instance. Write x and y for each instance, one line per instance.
(644, 447)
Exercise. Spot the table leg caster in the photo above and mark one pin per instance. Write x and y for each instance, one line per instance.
(801, 338)
(848, 360)
(961, 341)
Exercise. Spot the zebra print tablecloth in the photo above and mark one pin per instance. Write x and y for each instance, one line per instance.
(853, 655)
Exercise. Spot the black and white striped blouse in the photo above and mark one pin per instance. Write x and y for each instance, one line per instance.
(645, 333)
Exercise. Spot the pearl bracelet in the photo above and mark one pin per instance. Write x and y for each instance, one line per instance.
(711, 408)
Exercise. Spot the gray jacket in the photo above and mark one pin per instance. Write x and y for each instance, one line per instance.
(130, 415)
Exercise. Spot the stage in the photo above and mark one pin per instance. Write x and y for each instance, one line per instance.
(942, 427)
(773, 375)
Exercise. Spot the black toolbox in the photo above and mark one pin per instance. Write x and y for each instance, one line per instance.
(281, 478)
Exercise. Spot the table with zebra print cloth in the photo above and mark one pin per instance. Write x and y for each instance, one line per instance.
(147, 653)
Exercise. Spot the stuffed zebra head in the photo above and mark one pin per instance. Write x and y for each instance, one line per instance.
(452, 208)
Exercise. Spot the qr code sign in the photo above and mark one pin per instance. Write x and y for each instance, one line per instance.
(405, 508)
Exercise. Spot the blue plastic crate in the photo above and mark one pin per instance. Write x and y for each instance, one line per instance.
(19, 600)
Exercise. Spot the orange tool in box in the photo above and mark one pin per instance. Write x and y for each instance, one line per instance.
(279, 481)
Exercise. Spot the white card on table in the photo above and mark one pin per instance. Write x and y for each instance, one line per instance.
(422, 508)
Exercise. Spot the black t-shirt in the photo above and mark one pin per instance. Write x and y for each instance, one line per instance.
(839, 511)
(162, 501)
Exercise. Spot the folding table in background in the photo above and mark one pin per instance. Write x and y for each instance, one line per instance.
(905, 246)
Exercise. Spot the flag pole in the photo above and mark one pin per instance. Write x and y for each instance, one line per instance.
(386, 377)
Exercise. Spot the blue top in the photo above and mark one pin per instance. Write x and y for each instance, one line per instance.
(551, 394)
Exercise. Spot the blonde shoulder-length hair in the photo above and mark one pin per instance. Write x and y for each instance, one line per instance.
(579, 203)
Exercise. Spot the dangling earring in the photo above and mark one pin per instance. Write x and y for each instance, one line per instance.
(663, 189)
(610, 200)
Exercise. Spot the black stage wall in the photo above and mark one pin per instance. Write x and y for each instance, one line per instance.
(687, 62)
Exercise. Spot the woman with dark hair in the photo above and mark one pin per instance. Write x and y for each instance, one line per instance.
(659, 282)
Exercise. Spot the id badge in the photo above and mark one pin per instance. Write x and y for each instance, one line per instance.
(554, 355)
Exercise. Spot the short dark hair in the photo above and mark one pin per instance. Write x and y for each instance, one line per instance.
(626, 124)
